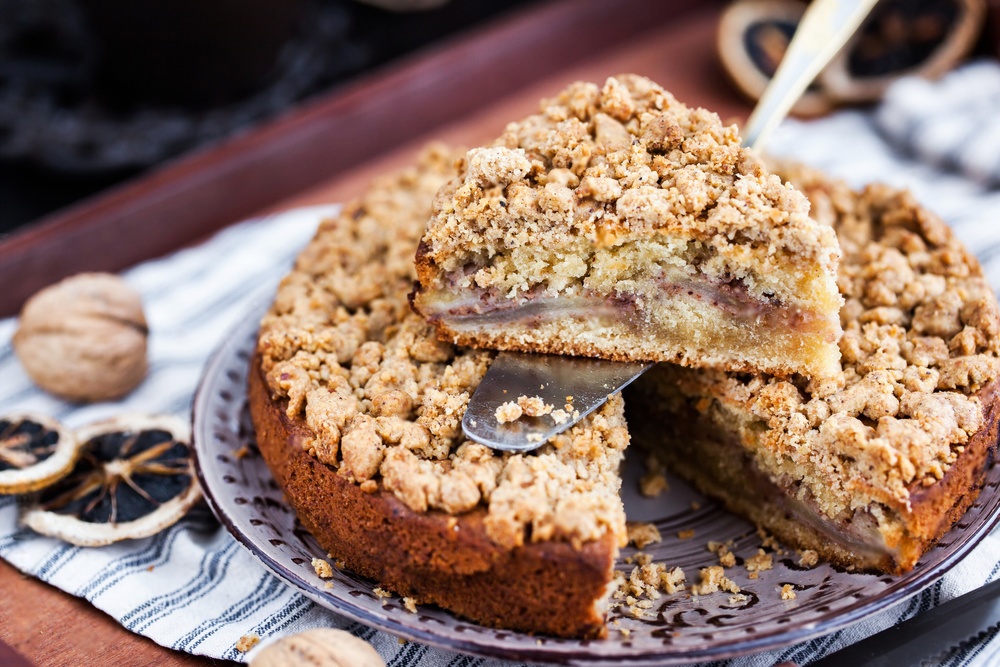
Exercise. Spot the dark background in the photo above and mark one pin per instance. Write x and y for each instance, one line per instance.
(94, 92)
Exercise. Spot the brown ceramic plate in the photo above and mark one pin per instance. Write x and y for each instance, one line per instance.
(679, 629)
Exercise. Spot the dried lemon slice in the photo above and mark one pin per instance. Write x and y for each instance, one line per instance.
(35, 451)
(134, 477)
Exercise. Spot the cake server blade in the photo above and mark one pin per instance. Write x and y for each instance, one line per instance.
(825, 26)
(929, 635)
(580, 382)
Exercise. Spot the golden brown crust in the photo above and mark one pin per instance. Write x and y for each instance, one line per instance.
(547, 587)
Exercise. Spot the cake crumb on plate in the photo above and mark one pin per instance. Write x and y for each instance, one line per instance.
(322, 568)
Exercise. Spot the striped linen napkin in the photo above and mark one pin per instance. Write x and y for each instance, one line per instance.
(192, 588)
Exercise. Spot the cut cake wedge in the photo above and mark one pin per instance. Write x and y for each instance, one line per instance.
(870, 470)
(619, 223)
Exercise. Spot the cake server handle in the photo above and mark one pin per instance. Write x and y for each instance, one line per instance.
(824, 28)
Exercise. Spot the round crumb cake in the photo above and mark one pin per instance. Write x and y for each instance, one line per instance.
(357, 409)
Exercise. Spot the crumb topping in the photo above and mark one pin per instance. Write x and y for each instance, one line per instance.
(808, 558)
(920, 340)
(384, 399)
(645, 584)
(534, 406)
(629, 169)
(788, 592)
(322, 568)
(643, 534)
(759, 562)
(654, 481)
(245, 643)
(723, 550)
(713, 579)
(508, 412)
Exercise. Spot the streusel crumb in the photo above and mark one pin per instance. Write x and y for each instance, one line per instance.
(508, 412)
(722, 549)
(759, 562)
(654, 481)
(643, 534)
(713, 579)
(788, 592)
(247, 642)
(534, 406)
(410, 604)
(384, 398)
(808, 558)
(322, 568)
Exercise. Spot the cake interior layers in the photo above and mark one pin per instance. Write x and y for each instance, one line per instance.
(646, 300)
(618, 222)
(712, 445)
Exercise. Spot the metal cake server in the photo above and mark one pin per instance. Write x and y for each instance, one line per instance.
(825, 26)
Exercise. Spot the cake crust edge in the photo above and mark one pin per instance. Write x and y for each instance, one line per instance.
(544, 587)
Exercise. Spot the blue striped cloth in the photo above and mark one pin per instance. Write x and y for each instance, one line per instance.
(194, 589)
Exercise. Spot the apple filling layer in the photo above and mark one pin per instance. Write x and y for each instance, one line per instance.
(656, 319)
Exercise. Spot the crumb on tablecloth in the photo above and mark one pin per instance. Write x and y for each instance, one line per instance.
(247, 642)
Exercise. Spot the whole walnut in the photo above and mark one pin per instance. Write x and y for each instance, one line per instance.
(322, 647)
(84, 338)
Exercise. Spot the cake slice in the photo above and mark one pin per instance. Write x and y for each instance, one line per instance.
(868, 471)
(621, 224)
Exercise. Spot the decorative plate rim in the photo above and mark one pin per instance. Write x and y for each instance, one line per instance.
(906, 585)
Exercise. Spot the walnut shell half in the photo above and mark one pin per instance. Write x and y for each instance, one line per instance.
(322, 647)
(84, 338)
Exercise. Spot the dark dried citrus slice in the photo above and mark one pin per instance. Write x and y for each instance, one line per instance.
(751, 40)
(134, 477)
(903, 38)
(35, 451)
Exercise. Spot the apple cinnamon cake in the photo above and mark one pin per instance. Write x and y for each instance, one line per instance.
(619, 223)
(871, 469)
(357, 408)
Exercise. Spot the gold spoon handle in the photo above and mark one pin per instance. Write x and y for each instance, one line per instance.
(823, 30)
